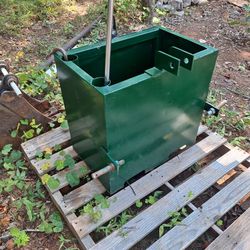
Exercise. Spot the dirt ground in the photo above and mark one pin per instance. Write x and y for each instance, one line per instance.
(217, 23)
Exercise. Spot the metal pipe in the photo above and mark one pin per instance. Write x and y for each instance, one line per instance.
(13, 85)
(109, 41)
(72, 42)
(107, 169)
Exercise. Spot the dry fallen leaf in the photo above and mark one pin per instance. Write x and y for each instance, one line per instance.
(10, 244)
(4, 222)
(3, 209)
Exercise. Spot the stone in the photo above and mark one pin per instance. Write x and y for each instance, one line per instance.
(187, 3)
(177, 4)
(179, 13)
(199, 1)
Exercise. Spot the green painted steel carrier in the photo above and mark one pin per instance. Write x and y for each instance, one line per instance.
(151, 107)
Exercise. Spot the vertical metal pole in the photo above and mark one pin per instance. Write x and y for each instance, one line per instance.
(109, 40)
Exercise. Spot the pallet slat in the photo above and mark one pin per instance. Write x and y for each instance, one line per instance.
(126, 197)
(61, 176)
(236, 236)
(199, 221)
(38, 164)
(50, 139)
(145, 222)
(73, 200)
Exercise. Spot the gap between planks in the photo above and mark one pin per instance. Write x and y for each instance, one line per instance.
(194, 208)
(200, 220)
(152, 217)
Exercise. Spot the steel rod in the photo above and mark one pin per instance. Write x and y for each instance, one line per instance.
(109, 41)
(12, 84)
(111, 167)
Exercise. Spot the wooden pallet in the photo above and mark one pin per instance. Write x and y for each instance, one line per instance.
(136, 229)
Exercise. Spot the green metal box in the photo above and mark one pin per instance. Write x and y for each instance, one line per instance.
(152, 107)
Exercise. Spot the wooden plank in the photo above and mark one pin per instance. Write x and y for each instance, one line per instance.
(236, 236)
(202, 129)
(61, 176)
(150, 182)
(78, 197)
(181, 236)
(54, 137)
(38, 164)
(145, 222)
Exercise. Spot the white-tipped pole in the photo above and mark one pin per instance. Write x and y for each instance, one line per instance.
(109, 40)
(12, 84)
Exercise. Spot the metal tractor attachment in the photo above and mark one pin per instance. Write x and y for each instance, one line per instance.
(16, 105)
(134, 100)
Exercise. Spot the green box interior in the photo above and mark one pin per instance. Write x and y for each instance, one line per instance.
(129, 61)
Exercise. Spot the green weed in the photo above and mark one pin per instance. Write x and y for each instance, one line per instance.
(175, 219)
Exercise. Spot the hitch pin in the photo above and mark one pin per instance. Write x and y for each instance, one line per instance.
(212, 111)
(107, 169)
(12, 84)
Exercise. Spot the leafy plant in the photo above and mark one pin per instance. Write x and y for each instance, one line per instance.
(175, 219)
(219, 223)
(238, 140)
(153, 198)
(92, 208)
(53, 224)
(19, 236)
(36, 82)
(26, 129)
(138, 203)
(115, 223)
(53, 183)
(19, 14)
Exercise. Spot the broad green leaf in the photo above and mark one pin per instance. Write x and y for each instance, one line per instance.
(45, 178)
(64, 125)
(39, 154)
(57, 147)
(69, 161)
(100, 199)
(15, 155)
(14, 133)
(6, 149)
(8, 166)
(139, 203)
(24, 122)
(53, 183)
(220, 223)
(73, 178)
(46, 227)
(45, 166)
(28, 134)
(56, 220)
(59, 164)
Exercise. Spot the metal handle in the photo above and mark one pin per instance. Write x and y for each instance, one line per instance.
(109, 41)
